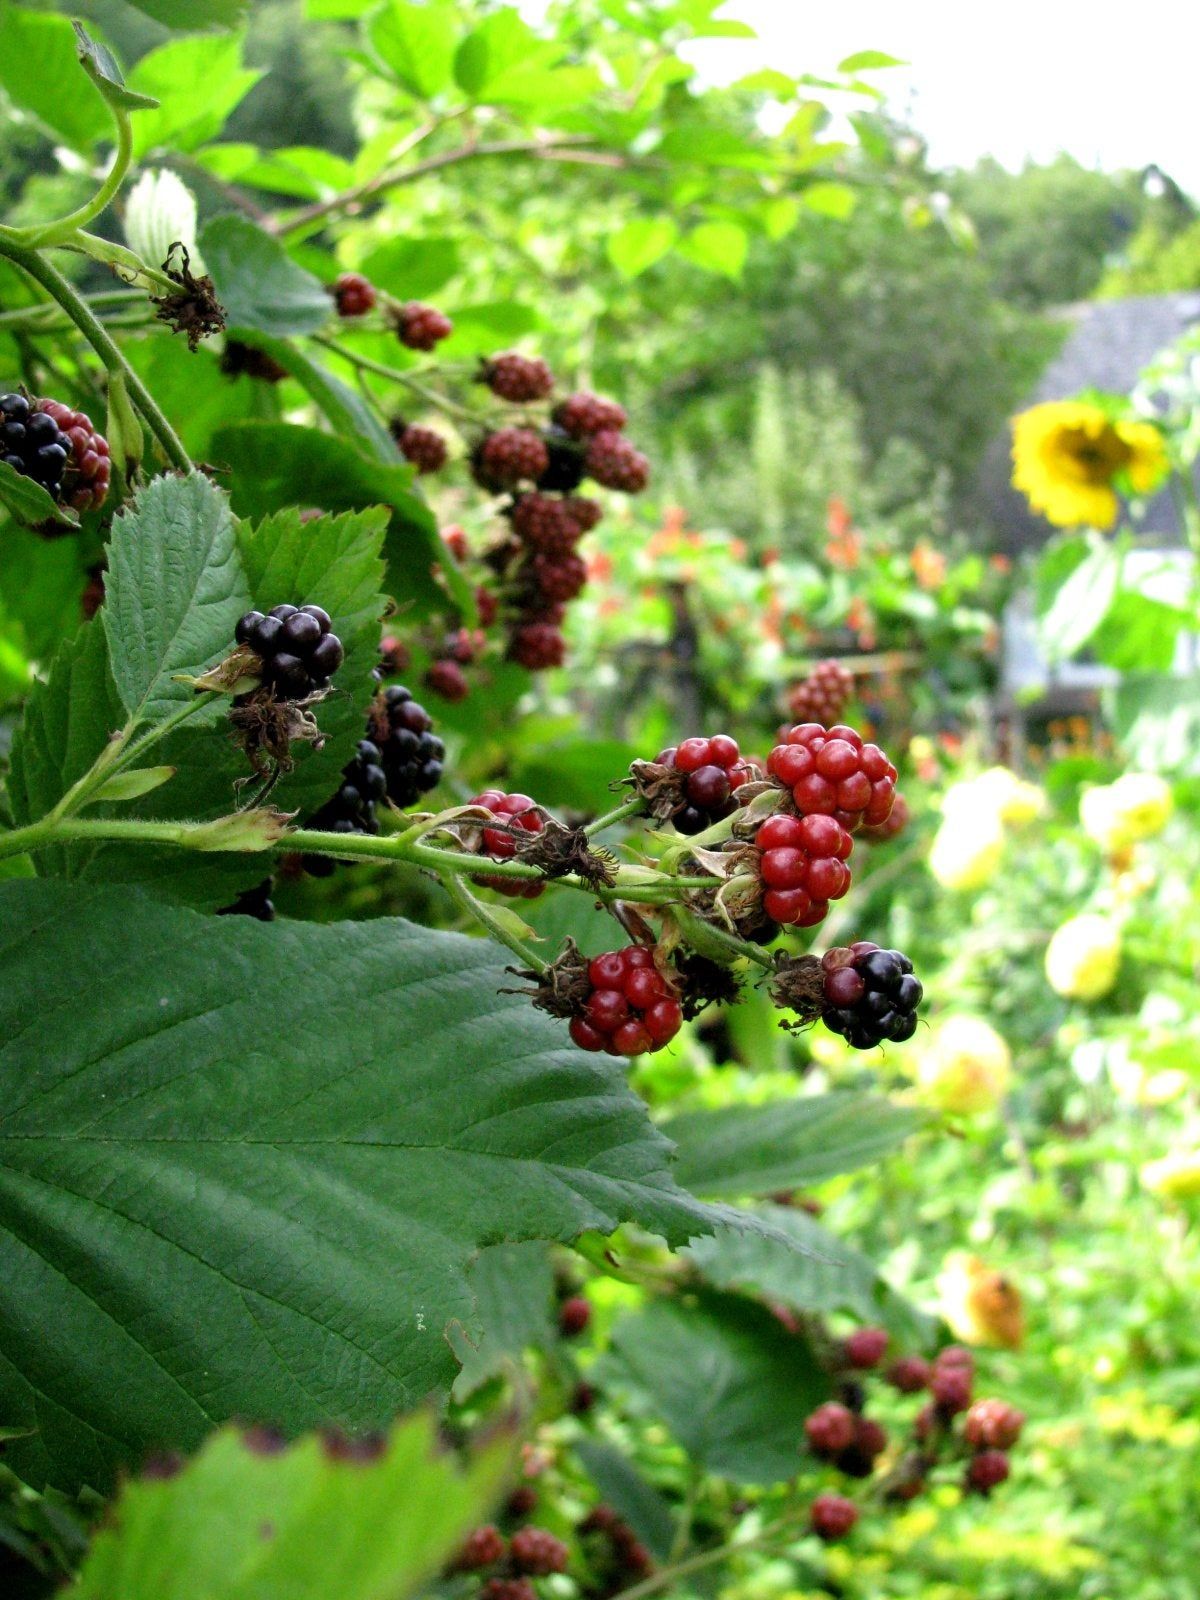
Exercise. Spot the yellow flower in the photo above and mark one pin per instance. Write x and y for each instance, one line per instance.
(966, 1066)
(982, 1306)
(1137, 806)
(1083, 956)
(1175, 1176)
(1067, 455)
(966, 851)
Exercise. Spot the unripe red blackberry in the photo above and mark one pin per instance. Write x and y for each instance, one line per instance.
(455, 540)
(537, 1552)
(507, 457)
(986, 1470)
(420, 327)
(993, 1425)
(583, 512)
(515, 814)
(871, 994)
(895, 823)
(522, 1502)
(574, 1315)
(714, 771)
(424, 447)
(583, 414)
(831, 772)
(545, 522)
(516, 378)
(950, 1388)
(353, 294)
(537, 646)
(632, 1009)
(822, 696)
(487, 606)
(559, 577)
(613, 461)
(909, 1374)
(299, 653)
(830, 1429)
(483, 1547)
(955, 1355)
(927, 1423)
(831, 1517)
(803, 867)
(508, 1589)
(447, 679)
(865, 1347)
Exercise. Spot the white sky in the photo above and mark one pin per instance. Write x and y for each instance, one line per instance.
(1115, 85)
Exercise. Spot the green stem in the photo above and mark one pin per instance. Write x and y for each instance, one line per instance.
(668, 1575)
(57, 232)
(93, 330)
(120, 754)
(466, 901)
(395, 375)
(628, 808)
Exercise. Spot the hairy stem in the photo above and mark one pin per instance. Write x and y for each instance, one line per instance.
(466, 901)
(56, 232)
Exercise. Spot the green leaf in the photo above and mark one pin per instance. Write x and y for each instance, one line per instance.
(717, 247)
(193, 16)
(248, 1176)
(1138, 634)
(1080, 604)
(1157, 723)
(637, 1502)
(101, 67)
(808, 1269)
(836, 200)
(276, 465)
(136, 782)
(728, 1380)
(174, 591)
(513, 1286)
(741, 1151)
(342, 406)
(243, 1522)
(197, 83)
(258, 283)
(37, 59)
(409, 268)
(495, 57)
(29, 503)
(637, 246)
(417, 44)
(867, 60)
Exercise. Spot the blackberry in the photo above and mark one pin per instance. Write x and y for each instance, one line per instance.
(574, 1315)
(909, 1374)
(857, 1460)
(950, 1388)
(255, 902)
(538, 1553)
(352, 808)
(986, 1470)
(831, 1517)
(803, 867)
(993, 1425)
(507, 457)
(515, 814)
(89, 467)
(871, 994)
(559, 577)
(424, 447)
(714, 770)
(483, 1547)
(565, 469)
(581, 415)
(822, 696)
(546, 523)
(537, 646)
(48, 442)
(411, 754)
(632, 1009)
(299, 653)
(865, 1347)
(614, 462)
(895, 823)
(831, 772)
(420, 327)
(517, 378)
(353, 295)
(446, 677)
(830, 1429)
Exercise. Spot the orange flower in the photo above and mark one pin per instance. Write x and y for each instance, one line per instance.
(837, 517)
(929, 566)
(599, 567)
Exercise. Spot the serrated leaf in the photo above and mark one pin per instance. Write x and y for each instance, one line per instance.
(135, 782)
(807, 1269)
(29, 503)
(174, 591)
(241, 1522)
(729, 1381)
(749, 1151)
(258, 283)
(101, 67)
(247, 1178)
(417, 44)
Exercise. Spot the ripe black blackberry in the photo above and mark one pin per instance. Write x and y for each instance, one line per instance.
(255, 902)
(565, 469)
(870, 995)
(299, 653)
(352, 808)
(33, 444)
(412, 755)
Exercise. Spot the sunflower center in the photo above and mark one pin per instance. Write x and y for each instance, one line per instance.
(1093, 457)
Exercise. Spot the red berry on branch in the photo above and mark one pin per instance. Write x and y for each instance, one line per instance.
(582, 415)
(831, 772)
(538, 1553)
(822, 696)
(631, 1010)
(517, 378)
(986, 1470)
(715, 771)
(831, 1517)
(483, 1547)
(559, 577)
(993, 1425)
(574, 1315)
(58, 448)
(447, 679)
(865, 1347)
(515, 814)
(506, 457)
(909, 1374)
(830, 1429)
(951, 1388)
(802, 866)
(895, 823)
(424, 447)
(537, 646)
(508, 1589)
(420, 327)
(353, 295)
(612, 461)
(546, 522)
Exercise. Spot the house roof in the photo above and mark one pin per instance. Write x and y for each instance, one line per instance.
(1109, 345)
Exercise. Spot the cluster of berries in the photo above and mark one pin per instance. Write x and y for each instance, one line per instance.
(870, 994)
(822, 696)
(616, 1557)
(802, 866)
(832, 772)
(629, 1008)
(712, 771)
(298, 651)
(56, 447)
(515, 815)
(838, 1431)
(418, 326)
(527, 1553)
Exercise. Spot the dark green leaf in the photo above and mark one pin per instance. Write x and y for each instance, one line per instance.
(101, 67)
(258, 283)
(741, 1151)
(243, 1523)
(513, 1286)
(622, 1487)
(29, 503)
(343, 407)
(248, 1176)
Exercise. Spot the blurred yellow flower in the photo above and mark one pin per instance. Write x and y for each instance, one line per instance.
(1083, 956)
(1176, 1176)
(1067, 454)
(1137, 806)
(965, 1067)
(966, 851)
(982, 1306)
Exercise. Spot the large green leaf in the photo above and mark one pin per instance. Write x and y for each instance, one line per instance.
(741, 1151)
(513, 1285)
(808, 1269)
(197, 83)
(410, 268)
(1157, 720)
(38, 60)
(729, 1380)
(1074, 609)
(244, 1168)
(641, 243)
(241, 1522)
(496, 60)
(344, 408)
(417, 44)
(258, 283)
(29, 502)
(175, 589)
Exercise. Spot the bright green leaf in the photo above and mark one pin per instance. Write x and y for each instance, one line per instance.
(1081, 604)
(38, 58)
(637, 246)
(197, 82)
(258, 283)
(135, 782)
(101, 67)
(867, 60)
(29, 502)
(717, 247)
(829, 199)
(492, 60)
(417, 43)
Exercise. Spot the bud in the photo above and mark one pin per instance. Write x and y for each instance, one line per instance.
(160, 212)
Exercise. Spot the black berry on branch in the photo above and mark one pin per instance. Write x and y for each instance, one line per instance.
(411, 754)
(871, 994)
(516, 814)
(857, 1460)
(822, 696)
(537, 1553)
(617, 464)
(517, 378)
(507, 457)
(299, 653)
(420, 327)
(865, 1347)
(831, 772)
(424, 447)
(631, 1009)
(581, 415)
(353, 294)
(831, 1517)
(565, 469)
(713, 770)
(803, 867)
(559, 577)
(536, 646)
(56, 447)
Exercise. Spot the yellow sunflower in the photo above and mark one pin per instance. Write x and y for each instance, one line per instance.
(1067, 454)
